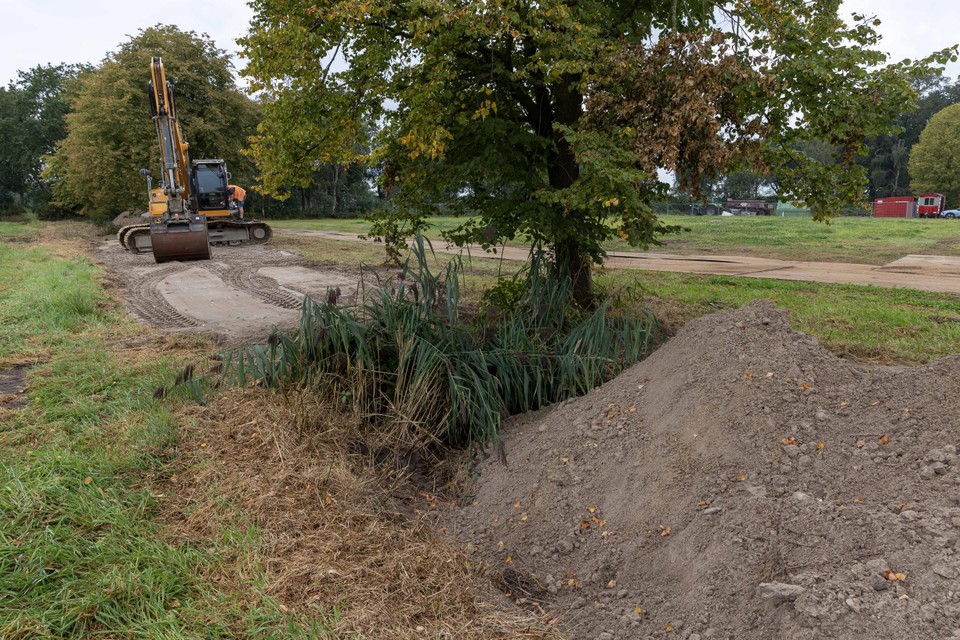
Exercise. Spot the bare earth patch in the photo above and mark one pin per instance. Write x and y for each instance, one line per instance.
(236, 297)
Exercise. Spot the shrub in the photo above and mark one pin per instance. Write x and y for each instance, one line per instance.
(413, 367)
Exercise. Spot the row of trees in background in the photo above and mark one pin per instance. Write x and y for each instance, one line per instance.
(73, 137)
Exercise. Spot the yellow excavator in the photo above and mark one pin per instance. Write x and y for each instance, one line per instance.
(190, 210)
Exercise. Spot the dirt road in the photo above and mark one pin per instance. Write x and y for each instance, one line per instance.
(926, 273)
(237, 296)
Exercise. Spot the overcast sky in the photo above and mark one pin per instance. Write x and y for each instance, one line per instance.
(53, 31)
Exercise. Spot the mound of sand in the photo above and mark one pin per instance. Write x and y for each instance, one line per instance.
(742, 483)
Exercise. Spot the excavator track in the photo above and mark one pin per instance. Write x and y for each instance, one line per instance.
(256, 232)
(136, 237)
(126, 234)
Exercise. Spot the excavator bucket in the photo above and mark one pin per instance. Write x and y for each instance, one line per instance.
(180, 239)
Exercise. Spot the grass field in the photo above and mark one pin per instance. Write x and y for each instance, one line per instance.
(80, 465)
(19, 230)
(884, 326)
(859, 240)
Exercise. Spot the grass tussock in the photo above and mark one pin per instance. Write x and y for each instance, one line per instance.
(411, 364)
(344, 537)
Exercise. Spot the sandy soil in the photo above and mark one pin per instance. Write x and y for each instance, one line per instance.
(741, 483)
(237, 296)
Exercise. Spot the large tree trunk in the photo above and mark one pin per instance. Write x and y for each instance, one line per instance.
(563, 170)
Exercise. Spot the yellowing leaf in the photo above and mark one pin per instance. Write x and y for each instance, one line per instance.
(592, 509)
(669, 627)
(509, 560)
(637, 610)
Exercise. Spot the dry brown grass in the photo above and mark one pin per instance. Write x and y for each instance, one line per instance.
(341, 525)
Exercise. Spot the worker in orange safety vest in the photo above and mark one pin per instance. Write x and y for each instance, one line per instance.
(239, 196)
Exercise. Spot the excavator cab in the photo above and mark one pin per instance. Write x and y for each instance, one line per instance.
(209, 185)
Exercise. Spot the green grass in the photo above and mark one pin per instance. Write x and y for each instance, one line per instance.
(19, 230)
(860, 240)
(870, 323)
(80, 553)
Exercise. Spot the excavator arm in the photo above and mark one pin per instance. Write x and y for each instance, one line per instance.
(173, 148)
(177, 230)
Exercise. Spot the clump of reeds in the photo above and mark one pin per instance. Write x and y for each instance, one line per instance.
(407, 361)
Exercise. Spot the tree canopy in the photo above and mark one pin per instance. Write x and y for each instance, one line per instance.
(32, 121)
(551, 119)
(935, 159)
(888, 155)
(110, 135)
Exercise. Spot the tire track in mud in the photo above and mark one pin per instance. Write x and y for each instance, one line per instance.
(147, 303)
(249, 280)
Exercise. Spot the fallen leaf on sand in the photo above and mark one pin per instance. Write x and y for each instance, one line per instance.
(584, 525)
(637, 610)
(665, 531)
(884, 439)
(789, 441)
(591, 509)
(516, 505)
